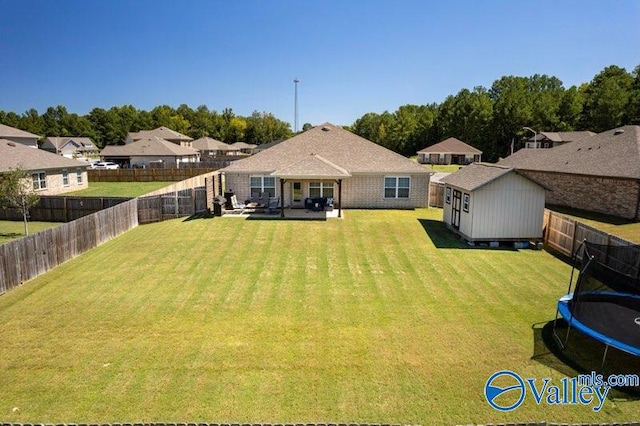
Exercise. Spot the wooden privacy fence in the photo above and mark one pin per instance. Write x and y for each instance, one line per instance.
(186, 202)
(564, 235)
(28, 257)
(148, 175)
(52, 208)
(436, 195)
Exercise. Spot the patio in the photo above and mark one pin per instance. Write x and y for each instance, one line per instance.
(289, 214)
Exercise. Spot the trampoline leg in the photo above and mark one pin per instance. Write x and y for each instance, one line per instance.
(562, 344)
(604, 357)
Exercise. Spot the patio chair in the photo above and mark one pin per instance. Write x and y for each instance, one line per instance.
(236, 205)
(274, 203)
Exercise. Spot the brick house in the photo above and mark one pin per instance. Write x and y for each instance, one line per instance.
(18, 136)
(328, 161)
(449, 151)
(600, 173)
(161, 132)
(52, 174)
(150, 151)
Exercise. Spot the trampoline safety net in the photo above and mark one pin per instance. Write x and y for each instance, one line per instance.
(606, 297)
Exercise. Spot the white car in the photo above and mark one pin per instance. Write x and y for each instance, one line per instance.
(108, 165)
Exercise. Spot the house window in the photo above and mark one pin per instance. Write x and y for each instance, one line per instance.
(39, 180)
(321, 189)
(65, 178)
(260, 184)
(396, 187)
(448, 195)
(79, 177)
(465, 202)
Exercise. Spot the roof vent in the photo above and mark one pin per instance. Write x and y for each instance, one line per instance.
(11, 144)
(618, 132)
(325, 129)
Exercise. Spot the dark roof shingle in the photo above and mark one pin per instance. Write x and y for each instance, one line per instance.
(614, 153)
(340, 147)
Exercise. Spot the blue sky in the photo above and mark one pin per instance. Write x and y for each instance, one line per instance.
(351, 56)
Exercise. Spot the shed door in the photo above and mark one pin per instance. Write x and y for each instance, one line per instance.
(455, 209)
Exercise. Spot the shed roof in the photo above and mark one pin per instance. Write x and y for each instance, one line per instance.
(14, 155)
(450, 145)
(562, 136)
(340, 147)
(242, 145)
(614, 153)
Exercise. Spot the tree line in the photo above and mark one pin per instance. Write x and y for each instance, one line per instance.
(110, 127)
(487, 118)
(491, 118)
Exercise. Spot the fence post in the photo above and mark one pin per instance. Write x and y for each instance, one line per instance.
(573, 237)
(66, 210)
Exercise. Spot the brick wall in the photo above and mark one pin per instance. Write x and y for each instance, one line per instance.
(363, 191)
(612, 196)
(55, 184)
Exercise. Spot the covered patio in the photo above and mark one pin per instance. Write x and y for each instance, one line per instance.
(310, 187)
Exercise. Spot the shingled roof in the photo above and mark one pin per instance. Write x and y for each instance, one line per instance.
(450, 145)
(333, 144)
(476, 175)
(12, 132)
(59, 142)
(14, 155)
(161, 132)
(210, 144)
(614, 153)
(149, 146)
(561, 136)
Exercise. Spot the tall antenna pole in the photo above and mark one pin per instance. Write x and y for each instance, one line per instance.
(295, 108)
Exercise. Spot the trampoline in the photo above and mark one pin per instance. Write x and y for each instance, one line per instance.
(605, 301)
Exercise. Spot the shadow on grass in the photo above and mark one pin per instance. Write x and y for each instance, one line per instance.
(11, 235)
(598, 217)
(446, 239)
(582, 355)
(202, 215)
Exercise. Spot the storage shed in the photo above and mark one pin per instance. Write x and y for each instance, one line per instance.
(488, 202)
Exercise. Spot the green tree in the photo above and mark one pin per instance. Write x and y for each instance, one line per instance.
(607, 99)
(633, 109)
(16, 190)
(306, 126)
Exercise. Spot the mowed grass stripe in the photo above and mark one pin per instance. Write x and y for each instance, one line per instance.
(365, 319)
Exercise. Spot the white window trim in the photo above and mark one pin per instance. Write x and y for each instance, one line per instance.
(262, 186)
(323, 185)
(447, 195)
(79, 177)
(65, 176)
(40, 187)
(466, 202)
(397, 179)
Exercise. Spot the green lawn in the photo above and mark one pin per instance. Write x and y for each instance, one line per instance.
(10, 230)
(622, 228)
(380, 317)
(119, 189)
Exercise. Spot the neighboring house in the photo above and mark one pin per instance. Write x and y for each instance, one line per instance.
(449, 151)
(242, 148)
(600, 173)
(211, 147)
(18, 136)
(553, 139)
(264, 146)
(163, 133)
(149, 151)
(328, 161)
(489, 202)
(70, 147)
(52, 174)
